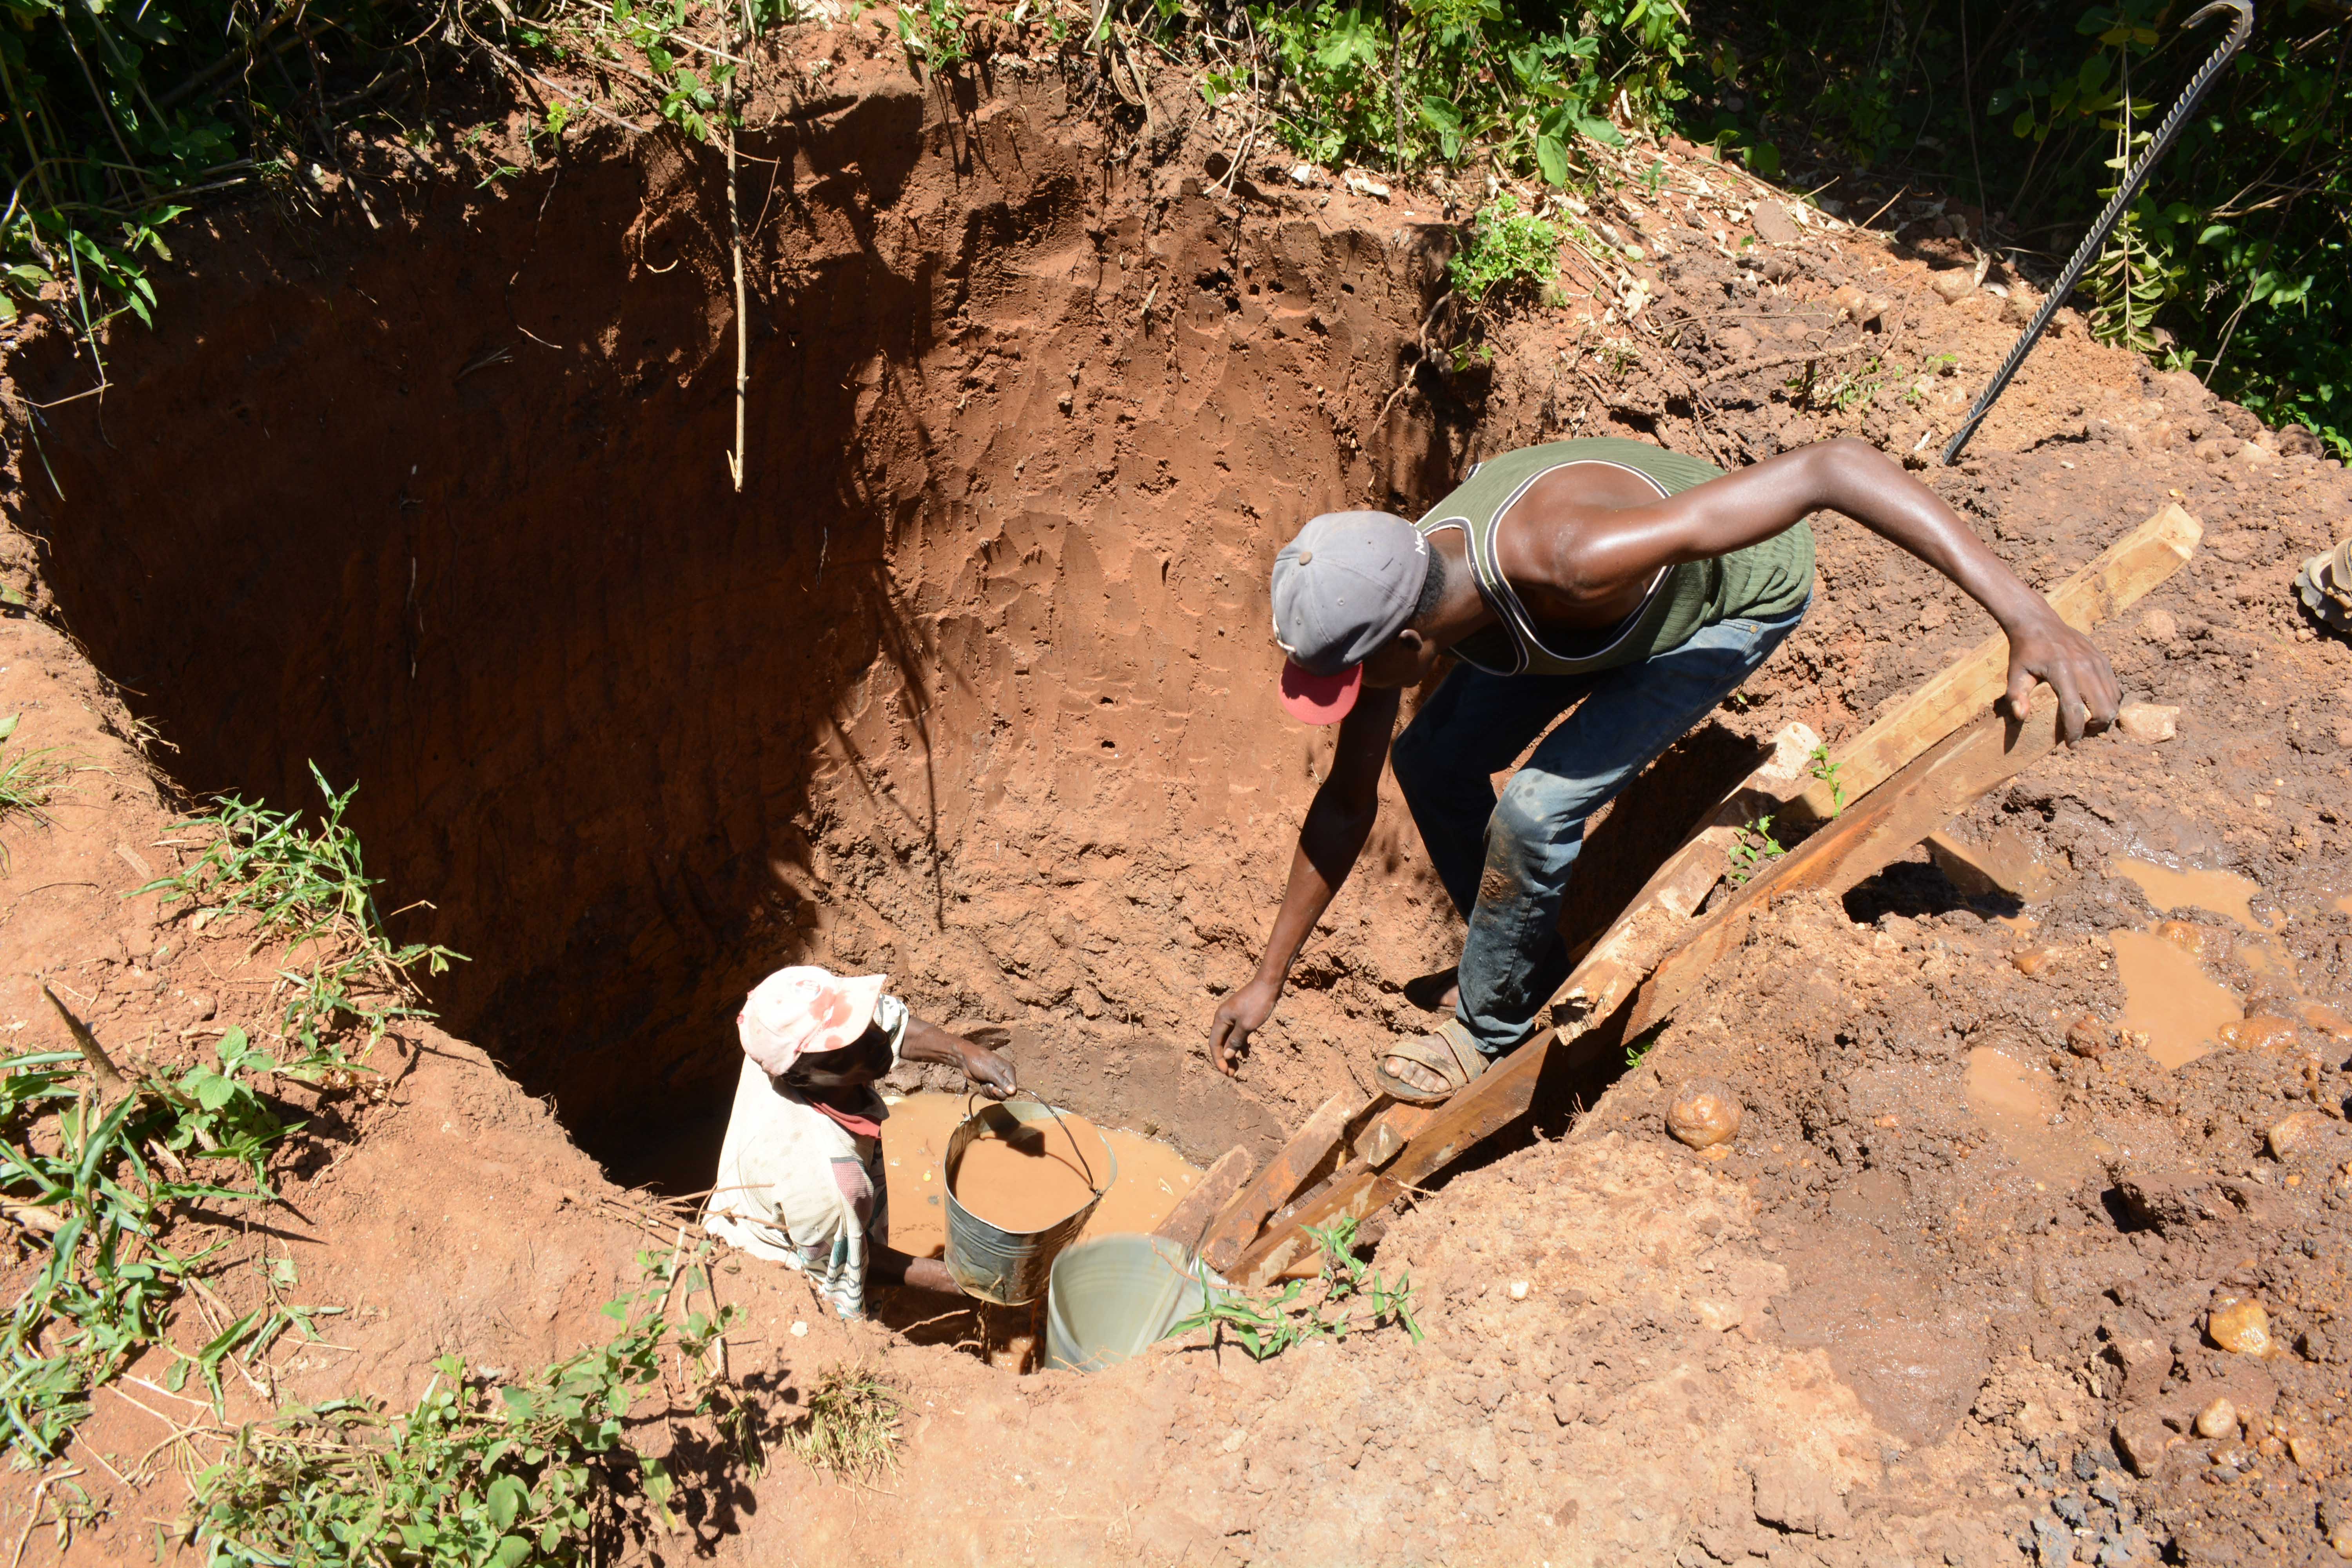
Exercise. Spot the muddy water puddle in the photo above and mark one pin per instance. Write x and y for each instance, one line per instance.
(2169, 998)
(2016, 1100)
(1019, 1187)
(2224, 893)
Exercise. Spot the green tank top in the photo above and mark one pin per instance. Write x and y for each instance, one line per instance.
(1760, 583)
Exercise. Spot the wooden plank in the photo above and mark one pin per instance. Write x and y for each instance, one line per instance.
(1660, 913)
(1871, 835)
(1407, 1143)
(1188, 1223)
(2116, 579)
(1300, 1162)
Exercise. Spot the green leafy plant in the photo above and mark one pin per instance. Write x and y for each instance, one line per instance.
(477, 1474)
(309, 889)
(1346, 1296)
(936, 32)
(851, 1430)
(1639, 1048)
(1507, 248)
(1819, 765)
(2018, 118)
(1840, 394)
(94, 1163)
(1754, 849)
(1427, 81)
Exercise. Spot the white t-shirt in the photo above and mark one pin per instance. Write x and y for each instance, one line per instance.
(797, 1187)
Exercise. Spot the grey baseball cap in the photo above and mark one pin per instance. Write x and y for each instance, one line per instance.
(1344, 587)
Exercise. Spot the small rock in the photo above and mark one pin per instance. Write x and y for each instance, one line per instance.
(2219, 1419)
(1567, 1399)
(2019, 307)
(2239, 1326)
(2188, 938)
(1955, 285)
(1720, 1316)
(1302, 173)
(2258, 1032)
(2142, 1439)
(2295, 1133)
(800, 1330)
(201, 1005)
(2033, 961)
(2160, 626)
(2088, 1036)
(1774, 225)
(1704, 1113)
(1793, 1495)
(2143, 1360)
(2148, 722)
(1518, 1289)
(1364, 186)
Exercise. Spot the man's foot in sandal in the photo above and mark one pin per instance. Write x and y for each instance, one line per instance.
(1426, 1070)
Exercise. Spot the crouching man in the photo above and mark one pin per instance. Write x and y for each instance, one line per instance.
(1602, 595)
(800, 1176)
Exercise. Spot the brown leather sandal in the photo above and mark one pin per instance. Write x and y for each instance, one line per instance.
(1447, 1050)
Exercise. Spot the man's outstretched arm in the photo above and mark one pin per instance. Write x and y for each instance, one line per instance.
(1853, 477)
(1338, 823)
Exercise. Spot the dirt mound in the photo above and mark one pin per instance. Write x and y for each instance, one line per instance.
(969, 685)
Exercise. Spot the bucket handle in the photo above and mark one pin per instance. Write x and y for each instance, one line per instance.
(1084, 1163)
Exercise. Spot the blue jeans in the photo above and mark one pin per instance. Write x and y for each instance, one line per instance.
(1505, 862)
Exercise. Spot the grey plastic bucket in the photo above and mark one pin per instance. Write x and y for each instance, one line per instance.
(1113, 1297)
(1011, 1267)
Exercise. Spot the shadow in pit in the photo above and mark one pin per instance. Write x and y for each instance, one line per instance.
(1918, 890)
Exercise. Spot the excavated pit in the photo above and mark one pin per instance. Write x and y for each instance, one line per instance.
(969, 684)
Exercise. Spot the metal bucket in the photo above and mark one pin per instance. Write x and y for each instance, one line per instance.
(1012, 1267)
(1113, 1297)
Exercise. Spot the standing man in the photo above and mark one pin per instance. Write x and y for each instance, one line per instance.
(1635, 585)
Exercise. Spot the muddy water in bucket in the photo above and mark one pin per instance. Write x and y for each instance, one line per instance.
(1041, 1168)
(1151, 1176)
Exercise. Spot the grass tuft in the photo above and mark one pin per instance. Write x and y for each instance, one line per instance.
(311, 889)
(851, 1431)
(29, 781)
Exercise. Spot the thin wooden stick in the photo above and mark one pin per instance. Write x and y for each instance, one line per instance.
(743, 331)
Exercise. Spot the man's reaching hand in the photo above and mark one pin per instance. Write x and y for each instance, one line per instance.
(1239, 1016)
(2051, 650)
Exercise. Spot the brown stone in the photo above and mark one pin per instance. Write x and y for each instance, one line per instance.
(2142, 1438)
(1703, 1113)
(2148, 722)
(2088, 1036)
(2219, 1419)
(2142, 1362)
(1798, 1498)
(1567, 1399)
(2295, 1133)
(2239, 1326)
(1774, 225)
(1954, 286)
(2160, 626)
(2259, 1032)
